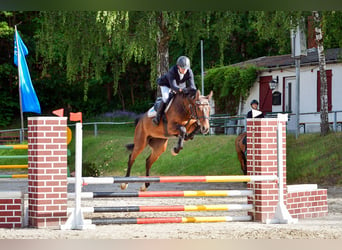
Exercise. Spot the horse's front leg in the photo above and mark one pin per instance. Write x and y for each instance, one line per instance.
(191, 135)
(182, 132)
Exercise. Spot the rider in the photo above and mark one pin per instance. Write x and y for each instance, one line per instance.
(176, 79)
(255, 113)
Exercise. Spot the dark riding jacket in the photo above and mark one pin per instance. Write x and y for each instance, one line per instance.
(172, 79)
(250, 115)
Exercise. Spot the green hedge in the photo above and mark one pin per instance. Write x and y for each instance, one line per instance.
(228, 84)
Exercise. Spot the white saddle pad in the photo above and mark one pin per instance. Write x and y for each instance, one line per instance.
(152, 112)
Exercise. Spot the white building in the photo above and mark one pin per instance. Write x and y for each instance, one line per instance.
(283, 97)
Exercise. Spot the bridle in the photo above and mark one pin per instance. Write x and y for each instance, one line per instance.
(193, 111)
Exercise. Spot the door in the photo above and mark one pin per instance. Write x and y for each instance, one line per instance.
(265, 94)
(289, 94)
(289, 100)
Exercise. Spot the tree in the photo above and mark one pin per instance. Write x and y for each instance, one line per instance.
(90, 43)
(331, 23)
(323, 75)
(269, 25)
(9, 92)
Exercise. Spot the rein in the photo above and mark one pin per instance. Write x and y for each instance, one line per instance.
(193, 112)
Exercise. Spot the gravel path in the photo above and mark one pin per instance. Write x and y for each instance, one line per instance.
(329, 227)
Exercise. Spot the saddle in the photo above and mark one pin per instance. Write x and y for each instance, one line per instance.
(153, 110)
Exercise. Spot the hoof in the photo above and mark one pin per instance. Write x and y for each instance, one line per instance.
(174, 151)
(123, 186)
(143, 188)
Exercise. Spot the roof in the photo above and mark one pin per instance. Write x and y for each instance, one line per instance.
(331, 56)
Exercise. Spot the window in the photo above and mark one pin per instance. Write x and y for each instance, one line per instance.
(276, 98)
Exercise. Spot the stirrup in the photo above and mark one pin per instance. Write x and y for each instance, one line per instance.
(155, 121)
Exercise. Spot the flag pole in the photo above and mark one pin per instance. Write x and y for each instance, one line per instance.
(20, 102)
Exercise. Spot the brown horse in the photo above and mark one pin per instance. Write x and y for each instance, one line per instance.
(241, 147)
(187, 114)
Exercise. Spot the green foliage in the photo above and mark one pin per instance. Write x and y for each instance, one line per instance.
(276, 26)
(332, 29)
(8, 105)
(101, 61)
(228, 84)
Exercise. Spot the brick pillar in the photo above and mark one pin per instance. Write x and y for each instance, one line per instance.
(262, 160)
(11, 209)
(47, 171)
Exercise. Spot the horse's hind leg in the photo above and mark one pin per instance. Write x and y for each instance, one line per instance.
(128, 172)
(138, 148)
(244, 152)
(240, 150)
(158, 146)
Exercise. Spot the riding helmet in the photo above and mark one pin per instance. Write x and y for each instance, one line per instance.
(183, 62)
(254, 101)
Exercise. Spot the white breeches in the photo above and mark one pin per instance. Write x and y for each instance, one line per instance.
(165, 91)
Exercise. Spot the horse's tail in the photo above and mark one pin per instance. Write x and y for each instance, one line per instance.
(130, 146)
(137, 119)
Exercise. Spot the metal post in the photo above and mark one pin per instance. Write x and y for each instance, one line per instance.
(95, 129)
(202, 66)
(297, 60)
(19, 86)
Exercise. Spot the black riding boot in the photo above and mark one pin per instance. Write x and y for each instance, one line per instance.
(160, 110)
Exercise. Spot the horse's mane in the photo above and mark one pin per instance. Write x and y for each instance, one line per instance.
(188, 92)
(192, 93)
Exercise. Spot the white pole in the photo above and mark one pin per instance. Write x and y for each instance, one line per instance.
(78, 173)
(280, 163)
(202, 68)
(76, 221)
(282, 215)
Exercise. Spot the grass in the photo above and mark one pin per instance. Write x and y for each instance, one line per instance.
(106, 154)
(310, 159)
(13, 161)
(315, 159)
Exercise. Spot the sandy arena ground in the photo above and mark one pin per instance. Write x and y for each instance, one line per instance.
(329, 227)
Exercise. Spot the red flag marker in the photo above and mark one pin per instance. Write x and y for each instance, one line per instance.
(58, 112)
(75, 117)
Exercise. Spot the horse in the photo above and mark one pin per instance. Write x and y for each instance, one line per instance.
(241, 147)
(188, 114)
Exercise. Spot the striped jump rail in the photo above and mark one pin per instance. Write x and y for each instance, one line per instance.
(201, 193)
(14, 176)
(156, 220)
(13, 156)
(174, 208)
(14, 146)
(172, 179)
(13, 166)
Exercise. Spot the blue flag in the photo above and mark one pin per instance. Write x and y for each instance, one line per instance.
(29, 100)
